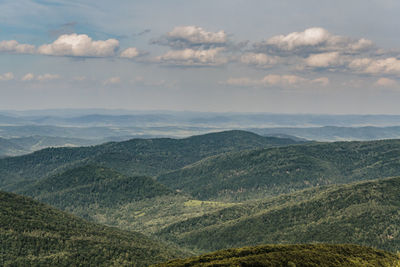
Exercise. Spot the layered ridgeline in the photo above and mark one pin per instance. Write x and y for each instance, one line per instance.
(34, 234)
(365, 213)
(320, 255)
(133, 157)
(265, 172)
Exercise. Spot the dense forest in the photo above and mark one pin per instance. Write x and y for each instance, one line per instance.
(365, 213)
(34, 234)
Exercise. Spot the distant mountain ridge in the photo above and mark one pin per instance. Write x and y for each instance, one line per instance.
(271, 171)
(334, 133)
(134, 157)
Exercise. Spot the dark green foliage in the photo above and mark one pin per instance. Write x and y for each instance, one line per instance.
(318, 255)
(133, 157)
(34, 234)
(90, 185)
(365, 213)
(265, 172)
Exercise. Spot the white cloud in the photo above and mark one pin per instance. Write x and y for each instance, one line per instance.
(47, 77)
(130, 53)
(191, 57)
(309, 37)
(13, 46)
(28, 77)
(192, 36)
(7, 76)
(112, 80)
(324, 60)
(313, 40)
(390, 66)
(258, 59)
(386, 82)
(275, 80)
(79, 45)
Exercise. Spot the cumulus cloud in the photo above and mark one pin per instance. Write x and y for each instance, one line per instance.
(130, 53)
(388, 66)
(386, 82)
(7, 76)
(312, 40)
(13, 46)
(192, 36)
(191, 57)
(259, 59)
(275, 80)
(79, 45)
(112, 80)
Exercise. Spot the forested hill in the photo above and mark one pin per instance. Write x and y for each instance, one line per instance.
(93, 185)
(321, 255)
(262, 172)
(365, 213)
(34, 234)
(133, 157)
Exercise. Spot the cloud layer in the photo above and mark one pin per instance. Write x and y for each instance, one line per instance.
(275, 80)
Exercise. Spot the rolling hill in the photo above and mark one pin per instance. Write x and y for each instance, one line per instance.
(34, 234)
(364, 213)
(8, 148)
(134, 157)
(258, 173)
(321, 255)
(103, 195)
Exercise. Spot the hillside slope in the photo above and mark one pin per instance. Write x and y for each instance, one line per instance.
(365, 213)
(133, 157)
(34, 234)
(88, 185)
(272, 171)
(293, 255)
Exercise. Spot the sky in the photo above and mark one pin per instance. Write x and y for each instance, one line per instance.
(309, 56)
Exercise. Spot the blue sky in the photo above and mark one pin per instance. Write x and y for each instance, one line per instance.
(222, 55)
